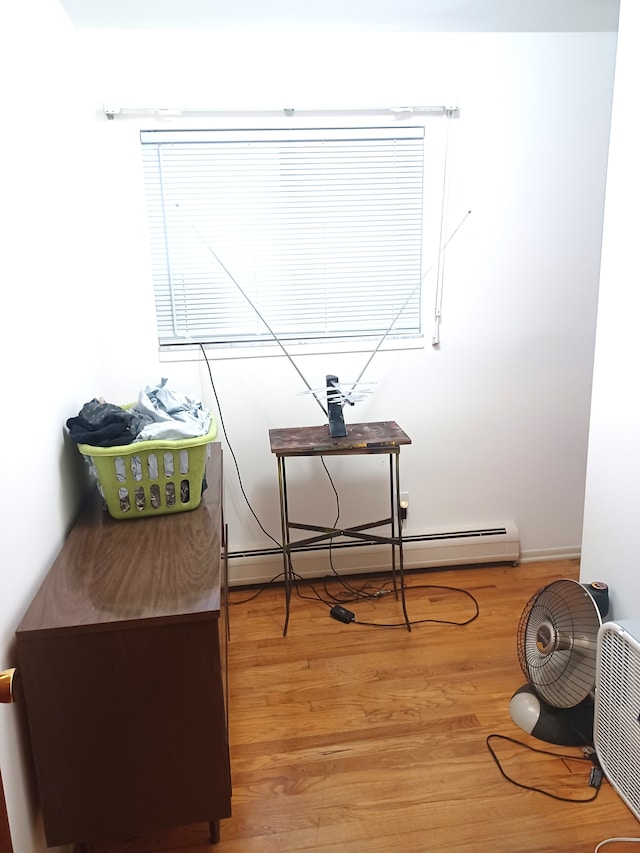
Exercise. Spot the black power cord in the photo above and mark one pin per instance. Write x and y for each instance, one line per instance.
(595, 775)
(403, 624)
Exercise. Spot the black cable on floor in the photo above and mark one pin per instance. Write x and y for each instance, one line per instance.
(597, 776)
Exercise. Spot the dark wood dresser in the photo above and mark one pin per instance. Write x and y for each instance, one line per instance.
(122, 666)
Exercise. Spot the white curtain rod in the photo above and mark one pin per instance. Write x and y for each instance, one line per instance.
(176, 112)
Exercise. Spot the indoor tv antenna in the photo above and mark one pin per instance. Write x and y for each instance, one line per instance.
(337, 398)
(333, 394)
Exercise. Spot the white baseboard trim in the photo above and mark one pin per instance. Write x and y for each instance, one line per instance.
(541, 555)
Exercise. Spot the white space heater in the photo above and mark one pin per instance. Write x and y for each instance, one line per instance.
(616, 730)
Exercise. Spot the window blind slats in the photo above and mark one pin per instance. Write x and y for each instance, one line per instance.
(323, 234)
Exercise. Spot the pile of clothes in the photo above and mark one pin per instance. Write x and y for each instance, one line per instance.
(158, 414)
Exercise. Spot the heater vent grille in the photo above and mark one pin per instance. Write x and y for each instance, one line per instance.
(467, 533)
(459, 545)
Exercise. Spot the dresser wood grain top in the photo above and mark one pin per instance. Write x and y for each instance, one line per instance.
(113, 571)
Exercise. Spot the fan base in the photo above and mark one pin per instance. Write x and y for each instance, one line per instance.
(562, 726)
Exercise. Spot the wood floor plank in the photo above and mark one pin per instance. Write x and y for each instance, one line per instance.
(374, 740)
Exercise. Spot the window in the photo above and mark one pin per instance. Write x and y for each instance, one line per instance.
(304, 234)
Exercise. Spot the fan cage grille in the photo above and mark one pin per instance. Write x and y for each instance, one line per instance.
(617, 710)
(566, 676)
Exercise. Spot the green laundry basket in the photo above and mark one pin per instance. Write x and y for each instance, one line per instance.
(148, 478)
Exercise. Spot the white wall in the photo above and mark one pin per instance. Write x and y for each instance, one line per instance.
(498, 414)
(612, 503)
(57, 343)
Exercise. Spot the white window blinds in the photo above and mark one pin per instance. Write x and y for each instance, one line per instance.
(320, 229)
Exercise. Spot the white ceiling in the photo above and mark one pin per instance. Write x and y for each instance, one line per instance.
(363, 15)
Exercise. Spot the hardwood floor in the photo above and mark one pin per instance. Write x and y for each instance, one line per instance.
(365, 739)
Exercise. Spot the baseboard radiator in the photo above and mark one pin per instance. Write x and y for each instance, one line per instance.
(429, 548)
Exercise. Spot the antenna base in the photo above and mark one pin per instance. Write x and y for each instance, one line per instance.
(337, 428)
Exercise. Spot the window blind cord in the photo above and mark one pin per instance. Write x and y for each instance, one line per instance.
(267, 326)
(435, 340)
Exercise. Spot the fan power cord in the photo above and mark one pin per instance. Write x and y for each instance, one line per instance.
(615, 841)
(595, 778)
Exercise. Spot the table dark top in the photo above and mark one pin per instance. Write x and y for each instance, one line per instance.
(375, 437)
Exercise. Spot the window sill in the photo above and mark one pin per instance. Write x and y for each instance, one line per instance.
(230, 352)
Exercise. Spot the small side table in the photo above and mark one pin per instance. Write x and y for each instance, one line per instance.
(381, 437)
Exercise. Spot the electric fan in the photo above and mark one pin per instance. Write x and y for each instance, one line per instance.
(556, 641)
(616, 729)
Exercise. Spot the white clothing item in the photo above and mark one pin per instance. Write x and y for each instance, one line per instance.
(166, 415)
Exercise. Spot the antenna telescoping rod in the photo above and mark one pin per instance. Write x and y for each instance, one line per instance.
(380, 342)
(269, 329)
(409, 298)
